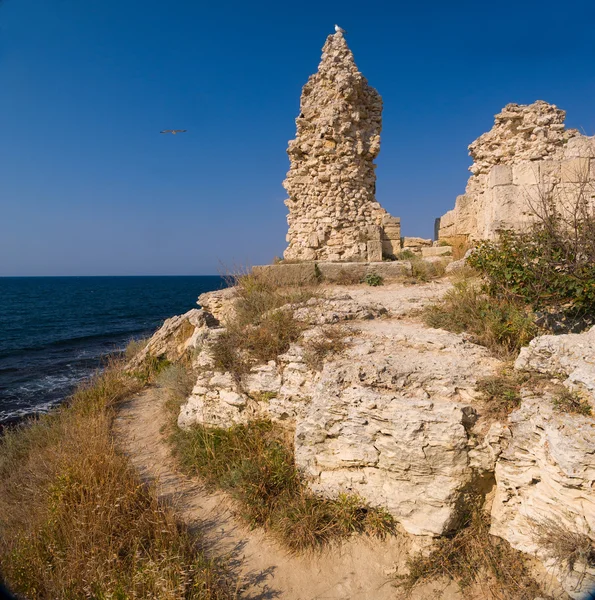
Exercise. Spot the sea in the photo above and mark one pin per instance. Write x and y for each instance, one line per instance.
(56, 331)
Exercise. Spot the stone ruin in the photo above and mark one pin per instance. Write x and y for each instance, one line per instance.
(527, 157)
(333, 213)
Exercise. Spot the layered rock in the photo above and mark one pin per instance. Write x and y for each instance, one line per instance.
(333, 213)
(572, 354)
(176, 336)
(527, 156)
(545, 480)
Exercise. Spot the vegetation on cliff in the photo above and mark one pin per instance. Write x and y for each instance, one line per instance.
(75, 519)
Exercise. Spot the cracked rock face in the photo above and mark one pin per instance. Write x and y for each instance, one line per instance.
(527, 153)
(546, 473)
(572, 354)
(391, 422)
(331, 182)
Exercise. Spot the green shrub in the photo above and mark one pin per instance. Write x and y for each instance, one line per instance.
(541, 271)
(502, 325)
(373, 279)
(255, 464)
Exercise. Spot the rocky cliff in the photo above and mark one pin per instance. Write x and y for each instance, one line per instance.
(396, 418)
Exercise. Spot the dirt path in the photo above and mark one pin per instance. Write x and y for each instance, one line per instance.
(356, 570)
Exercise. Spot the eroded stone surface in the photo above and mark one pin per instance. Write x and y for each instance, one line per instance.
(176, 335)
(572, 355)
(546, 473)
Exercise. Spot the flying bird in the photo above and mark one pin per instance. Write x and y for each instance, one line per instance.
(174, 131)
(339, 29)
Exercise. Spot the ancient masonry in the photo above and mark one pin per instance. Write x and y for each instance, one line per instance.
(333, 213)
(527, 156)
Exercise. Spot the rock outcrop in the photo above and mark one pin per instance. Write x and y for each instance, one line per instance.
(333, 213)
(527, 156)
(396, 418)
(572, 355)
(545, 497)
(176, 336)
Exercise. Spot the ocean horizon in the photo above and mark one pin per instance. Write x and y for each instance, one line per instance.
(56, 331)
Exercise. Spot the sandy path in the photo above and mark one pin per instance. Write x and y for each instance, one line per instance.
(359, 569)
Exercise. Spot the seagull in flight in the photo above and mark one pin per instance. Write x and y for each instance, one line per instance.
(174, 131)
(339, 29)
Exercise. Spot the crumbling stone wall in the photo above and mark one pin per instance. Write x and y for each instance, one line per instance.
(333, 213)
(528, 155)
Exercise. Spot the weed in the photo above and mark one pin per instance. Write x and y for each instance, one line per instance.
(177, 380)
(571, 402)
(373, 279)
(331, 341)
(502, 392)
(502, 325)
(566, 546)
(255, 464)
(348, 277)
(424, 271)
(134, 347)
(470, 556)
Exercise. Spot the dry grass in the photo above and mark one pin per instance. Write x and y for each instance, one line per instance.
(177, 380)
(134, 347)
(255, 464)
(502, 393)
(330, 342)
(76, 522)
(460, 244)
(263, 326)
(472, 556)
(569, 548)
(501, 325)
(347, 277)
(571, 402)
(259, 294)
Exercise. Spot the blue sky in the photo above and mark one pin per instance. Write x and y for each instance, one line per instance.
(90, 187)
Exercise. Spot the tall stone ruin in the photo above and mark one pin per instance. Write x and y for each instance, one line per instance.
(333, 213)
(527, 156)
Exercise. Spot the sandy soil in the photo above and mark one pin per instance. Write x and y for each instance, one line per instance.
(360, 569)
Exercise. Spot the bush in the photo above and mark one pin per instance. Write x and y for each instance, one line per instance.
(255, 464)
(75, 519)
(571, 402)
(331, 341)
(567, 547)
(471, 556)
(501, 393)
(373, 279)
(547, 273)
(502, 325)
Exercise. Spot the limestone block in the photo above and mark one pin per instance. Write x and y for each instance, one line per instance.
(374, 250)
(500, 175)
(391, 247)
(288, 274)
(549, 170)
(436, 251)
(388, 422)
(580, 147)
(546, 473)
(572, 354)
(575, 170)
(526, 173)
(415, 242)
(390, 221)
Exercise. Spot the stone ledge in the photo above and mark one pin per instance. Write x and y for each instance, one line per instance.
(311, 272)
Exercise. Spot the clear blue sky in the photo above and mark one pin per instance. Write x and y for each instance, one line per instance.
(88, 186)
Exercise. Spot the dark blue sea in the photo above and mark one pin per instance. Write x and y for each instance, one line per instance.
(55, 331)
